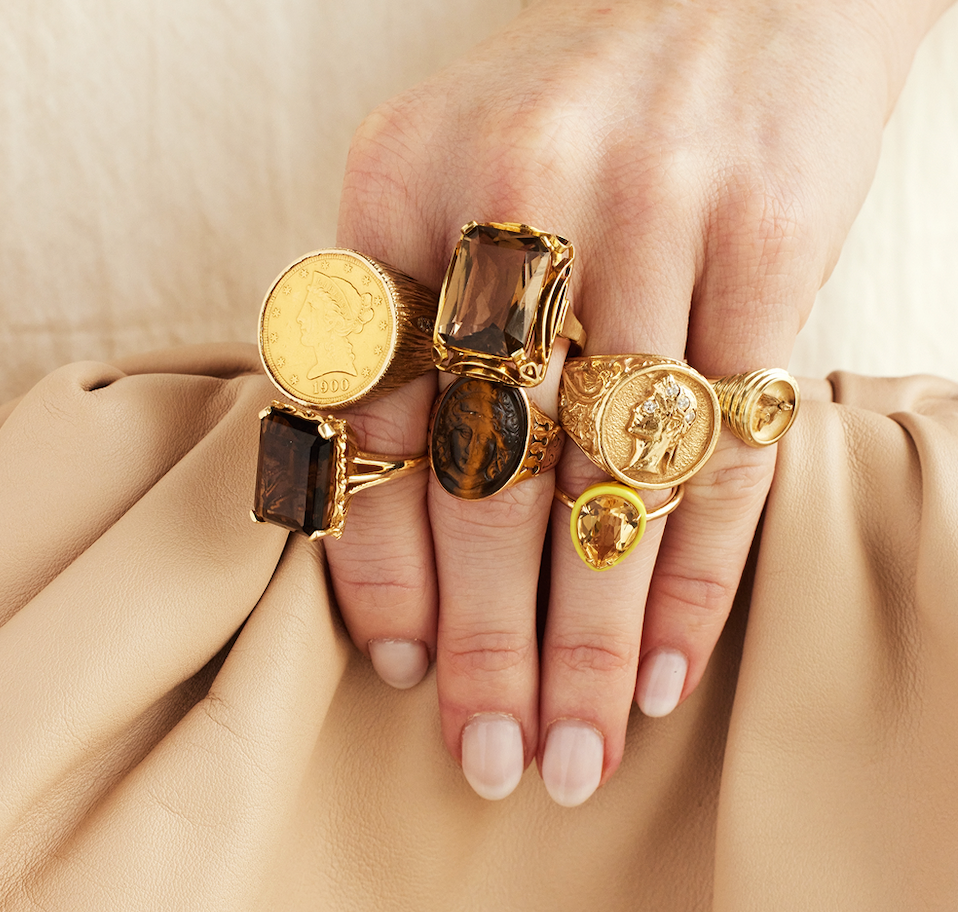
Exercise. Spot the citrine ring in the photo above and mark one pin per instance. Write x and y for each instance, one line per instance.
(609, 520)
(309, 467)
(485, 436)
(504, 300)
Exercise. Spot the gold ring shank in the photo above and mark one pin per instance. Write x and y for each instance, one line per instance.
(657, 513)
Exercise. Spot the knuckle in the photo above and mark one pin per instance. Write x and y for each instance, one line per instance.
(702, 601)
(596, 657)
(476, 655)
(739, 475)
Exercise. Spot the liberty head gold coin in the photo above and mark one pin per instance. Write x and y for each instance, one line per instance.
(333, 324)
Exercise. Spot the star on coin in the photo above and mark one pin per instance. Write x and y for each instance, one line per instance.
(378, 350)
(347, 267)
(383, 325)
(304, 273)
(286, 289)
(366, 279)
(280, 361)
(366, 371)
(276, 311)
(294, 379)
(273, 337)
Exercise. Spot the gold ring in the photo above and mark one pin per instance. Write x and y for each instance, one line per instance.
(338, 326)
(310, 467)
(649, 421)
(759, 407)
(503, 302)
(609, 519)
(485, 436)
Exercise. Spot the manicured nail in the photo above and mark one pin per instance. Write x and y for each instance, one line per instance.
(661, 679)
(572, 762)
(492, 755)
(401, 663)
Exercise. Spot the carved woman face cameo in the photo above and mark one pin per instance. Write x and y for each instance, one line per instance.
(478, 439)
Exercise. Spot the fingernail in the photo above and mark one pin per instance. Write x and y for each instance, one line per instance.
(661, 679)
(400, 663)
(572, 762)
(492, 755)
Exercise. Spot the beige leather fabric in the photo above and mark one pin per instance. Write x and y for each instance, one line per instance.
(185, 725)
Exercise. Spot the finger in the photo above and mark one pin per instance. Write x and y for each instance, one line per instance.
(746, 312)
(382, 569)
(487, 554)
(594, 627)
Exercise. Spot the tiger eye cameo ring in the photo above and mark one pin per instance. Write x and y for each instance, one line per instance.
(485, 436)
(338, 326)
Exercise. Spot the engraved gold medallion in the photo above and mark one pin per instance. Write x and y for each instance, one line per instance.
(338, 326)
(651, 422)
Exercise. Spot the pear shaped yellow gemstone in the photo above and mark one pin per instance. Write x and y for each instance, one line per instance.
(608, 521)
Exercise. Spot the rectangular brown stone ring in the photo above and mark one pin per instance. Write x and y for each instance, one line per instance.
(503, 302)
(309, 467)
(650, 422)
(485, 436)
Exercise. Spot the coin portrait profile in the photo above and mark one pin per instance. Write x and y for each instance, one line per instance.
(333, 310)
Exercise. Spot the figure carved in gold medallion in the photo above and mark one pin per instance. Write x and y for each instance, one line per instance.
(659, 424)
(332, 311)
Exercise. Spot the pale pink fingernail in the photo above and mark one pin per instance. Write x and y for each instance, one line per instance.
(492, 755)
(572, 762)
(661, 679)
(400, 663)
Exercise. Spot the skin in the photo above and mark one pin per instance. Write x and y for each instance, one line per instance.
(707, 161)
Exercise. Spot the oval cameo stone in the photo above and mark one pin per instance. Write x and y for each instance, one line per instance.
(478, 439)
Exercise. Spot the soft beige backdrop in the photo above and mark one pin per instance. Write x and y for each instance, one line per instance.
(161, 162)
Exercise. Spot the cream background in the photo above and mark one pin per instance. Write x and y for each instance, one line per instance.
(161, 162)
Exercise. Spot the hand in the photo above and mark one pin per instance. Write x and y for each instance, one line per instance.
(707, 165)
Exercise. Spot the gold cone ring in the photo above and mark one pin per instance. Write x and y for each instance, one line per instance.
(650, 422)
(759, 407)
(338, 327)
(504, 300)
(310, 467)
(608, 521)
(486, 436)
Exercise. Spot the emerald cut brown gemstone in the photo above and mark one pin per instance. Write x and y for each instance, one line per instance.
(293, 473)
(479, 436)
(492, 290)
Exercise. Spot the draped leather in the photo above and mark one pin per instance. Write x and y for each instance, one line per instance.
(184, 723)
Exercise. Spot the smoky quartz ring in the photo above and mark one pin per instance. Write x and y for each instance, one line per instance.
(310, 467)
(504, 300)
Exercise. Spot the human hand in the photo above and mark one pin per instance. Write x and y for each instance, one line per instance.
(706, 164)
